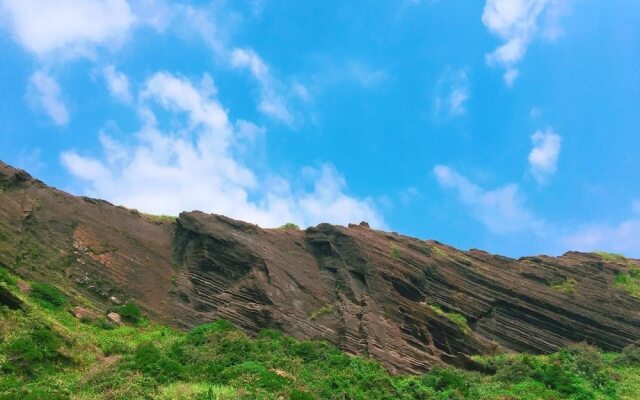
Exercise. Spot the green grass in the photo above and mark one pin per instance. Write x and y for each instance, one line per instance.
(6, 277)
(610, 256)
(395, 252)
(325, 310)
(567, 286)
(454, 317)
(45, 353)
(629, 281)
(160, 218)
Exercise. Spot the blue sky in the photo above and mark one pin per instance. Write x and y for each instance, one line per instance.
(507, 125)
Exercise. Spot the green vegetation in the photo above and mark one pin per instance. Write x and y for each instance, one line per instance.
(567, 286)
(45, 353)
(395, 252)
(629, 281)
(454, 317)
(48, 296)
(7, 278)
(131, 313)
(610, 256)
(322, 311)
(290, 226)
(160, 218)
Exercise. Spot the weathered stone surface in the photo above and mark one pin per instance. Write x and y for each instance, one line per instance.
(114, 317)
(83, 314)
(367, 291)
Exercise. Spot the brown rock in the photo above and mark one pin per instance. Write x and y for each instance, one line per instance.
(24, 287)
(83, 314)
(369, 292)
(114, 317)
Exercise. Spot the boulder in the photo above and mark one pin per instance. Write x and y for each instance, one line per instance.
(83, 314)
(114, 317)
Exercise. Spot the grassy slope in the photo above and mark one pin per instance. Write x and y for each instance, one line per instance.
(47, 353)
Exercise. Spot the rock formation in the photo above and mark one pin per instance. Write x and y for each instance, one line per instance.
(407, 302)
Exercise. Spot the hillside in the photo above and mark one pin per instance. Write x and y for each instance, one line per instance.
(408, 303)
(52, 349)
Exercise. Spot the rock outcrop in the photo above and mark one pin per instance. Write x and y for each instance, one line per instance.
(407, 302)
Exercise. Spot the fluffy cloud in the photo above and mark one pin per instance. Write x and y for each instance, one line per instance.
(44, 92)
(196, 166)
(501, 210)
(72, 26)
(69, 29)
(271, 103)
(543, 159)
(117, 83)
(452, 93)
(516, 22)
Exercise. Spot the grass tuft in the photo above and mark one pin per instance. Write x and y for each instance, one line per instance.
(567, 286)
(610, 256)
(454, 317)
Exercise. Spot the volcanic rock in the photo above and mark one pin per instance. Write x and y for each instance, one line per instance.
(83, 314)
(114, 317)
(398, 299)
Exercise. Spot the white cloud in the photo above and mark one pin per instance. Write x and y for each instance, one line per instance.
(117, 83)
(45, 93)
(517, 22)
(271, 103)
(196, 166)
(622, 238)
(501, 210)
(452, 93)
(636, 206)
(74, 27)
(365, 75)
(543, 159)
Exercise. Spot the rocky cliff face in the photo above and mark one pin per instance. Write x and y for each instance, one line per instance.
(409, 303)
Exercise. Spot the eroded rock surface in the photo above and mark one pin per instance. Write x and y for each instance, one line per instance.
(367, 291)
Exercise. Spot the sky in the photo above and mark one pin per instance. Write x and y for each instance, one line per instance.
(511, 126)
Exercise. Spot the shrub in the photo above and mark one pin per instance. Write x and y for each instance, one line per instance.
(48, 296)
(255, 374)
(448, 380)
(200, 334)
(6, 277)
(629, 356)
(150, 360)
(130, 312)
(290, 226)
(28, 352)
